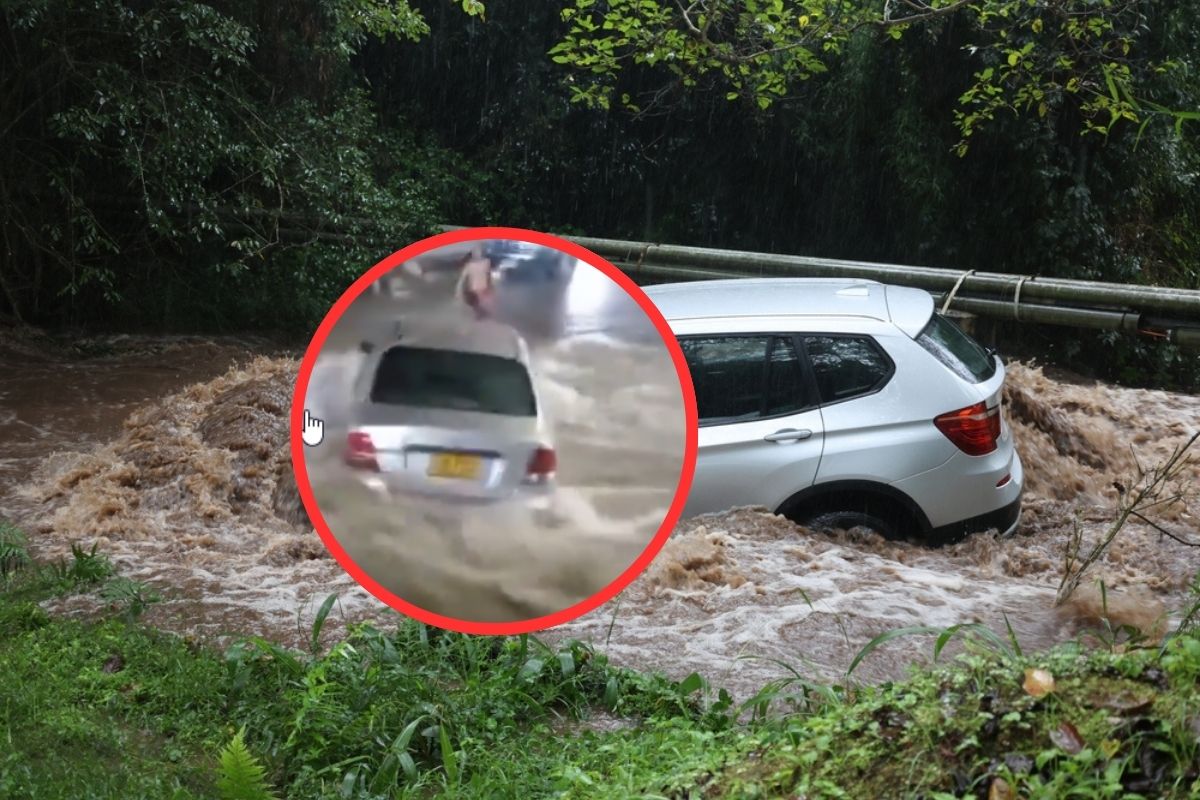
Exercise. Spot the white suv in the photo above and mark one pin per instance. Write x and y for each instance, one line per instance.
(451, 411)
(842, 403)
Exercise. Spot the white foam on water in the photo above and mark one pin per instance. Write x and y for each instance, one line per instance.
(192, 495)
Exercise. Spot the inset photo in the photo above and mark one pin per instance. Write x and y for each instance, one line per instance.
(494, 430)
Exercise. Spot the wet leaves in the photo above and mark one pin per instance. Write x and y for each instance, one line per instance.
(1038, 682)
(1018, 763)
(1124, 700)
(1066, 737)
(1000, 790)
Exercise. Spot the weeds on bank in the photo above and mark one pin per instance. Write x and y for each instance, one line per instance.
(14, 554)
(125, 711)
(20, 576)
(996, 722)
(121, 710)
(1153, 488)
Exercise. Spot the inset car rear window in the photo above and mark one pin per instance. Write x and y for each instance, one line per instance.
(847, 366)
(447, 379)
(965, 357)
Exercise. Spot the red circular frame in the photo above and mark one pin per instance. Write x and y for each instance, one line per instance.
(399, 604)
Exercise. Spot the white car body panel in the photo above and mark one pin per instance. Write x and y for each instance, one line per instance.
(886, 438)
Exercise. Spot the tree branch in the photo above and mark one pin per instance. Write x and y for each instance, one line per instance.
(1165, 532)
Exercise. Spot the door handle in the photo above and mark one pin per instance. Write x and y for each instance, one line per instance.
(788, 435)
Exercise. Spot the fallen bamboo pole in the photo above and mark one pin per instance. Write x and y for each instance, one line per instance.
(1041, 313)
(734, 263)
(699, 263)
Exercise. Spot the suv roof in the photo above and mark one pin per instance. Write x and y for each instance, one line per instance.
(909, 309)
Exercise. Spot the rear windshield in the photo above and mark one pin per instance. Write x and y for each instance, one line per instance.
(448, 379)
(958, 351)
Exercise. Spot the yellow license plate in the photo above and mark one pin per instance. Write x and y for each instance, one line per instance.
(454, 465)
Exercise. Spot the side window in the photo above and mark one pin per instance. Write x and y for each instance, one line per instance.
(846, 366)
(743, 378)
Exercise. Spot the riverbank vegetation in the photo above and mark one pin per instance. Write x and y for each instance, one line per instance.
(107, 707)
(227, 166)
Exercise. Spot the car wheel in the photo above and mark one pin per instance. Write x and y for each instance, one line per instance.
(827, 521)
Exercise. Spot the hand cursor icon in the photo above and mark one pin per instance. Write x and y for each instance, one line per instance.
(314, 430)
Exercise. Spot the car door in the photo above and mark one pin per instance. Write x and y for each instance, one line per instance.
(761, 434)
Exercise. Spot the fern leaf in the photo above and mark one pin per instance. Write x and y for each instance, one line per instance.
(242, 777)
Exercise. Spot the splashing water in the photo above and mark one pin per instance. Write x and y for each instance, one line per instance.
(195, 494)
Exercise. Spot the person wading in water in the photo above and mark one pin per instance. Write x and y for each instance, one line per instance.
(475, 287)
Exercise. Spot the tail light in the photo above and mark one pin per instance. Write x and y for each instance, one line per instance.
(974, 430)
(360, 451)
(542, 465)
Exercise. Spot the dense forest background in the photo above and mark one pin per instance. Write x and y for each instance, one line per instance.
(177, 165)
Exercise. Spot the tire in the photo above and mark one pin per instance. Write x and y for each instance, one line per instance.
(827, 521)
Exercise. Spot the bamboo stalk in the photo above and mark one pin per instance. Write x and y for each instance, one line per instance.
(705, 262)
(1068, 316)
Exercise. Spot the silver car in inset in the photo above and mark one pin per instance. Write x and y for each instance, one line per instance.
(451, 411)
(842, 403)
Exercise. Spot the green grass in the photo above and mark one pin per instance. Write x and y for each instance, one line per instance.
(114, 709)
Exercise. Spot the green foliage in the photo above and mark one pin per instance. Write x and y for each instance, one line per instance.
(159, 163)
(184, 166)
(13, 549)
(242, 776)
(953, 731)
(130, 597)
(112, 710)
(319, 622)
(16, 618)
(86, 567)
(1033, 58)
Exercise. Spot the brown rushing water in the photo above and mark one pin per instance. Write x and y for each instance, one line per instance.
(181, 473)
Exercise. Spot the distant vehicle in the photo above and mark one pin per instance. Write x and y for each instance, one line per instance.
(452, 412)
(844, 403)
(515, 260)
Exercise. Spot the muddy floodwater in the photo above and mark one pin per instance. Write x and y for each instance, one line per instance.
(172, 454)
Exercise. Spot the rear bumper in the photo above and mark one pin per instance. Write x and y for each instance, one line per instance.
(535, 497)
(1005, 520)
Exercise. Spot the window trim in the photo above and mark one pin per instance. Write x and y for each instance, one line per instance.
(802, 362)
(880, 385)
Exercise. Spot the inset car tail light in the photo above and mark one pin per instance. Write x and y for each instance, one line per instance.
(360, 451)
(542, 465)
